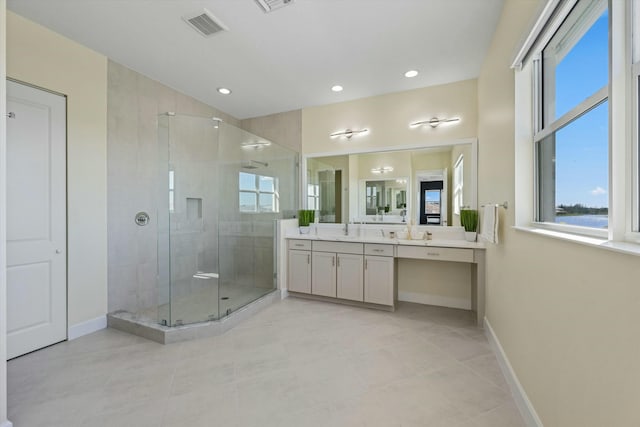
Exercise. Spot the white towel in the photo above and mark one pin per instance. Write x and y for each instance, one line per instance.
(489, 229)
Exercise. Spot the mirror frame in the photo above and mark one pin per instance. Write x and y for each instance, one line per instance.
(369, 150)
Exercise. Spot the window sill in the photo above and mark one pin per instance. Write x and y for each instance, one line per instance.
(594, 242)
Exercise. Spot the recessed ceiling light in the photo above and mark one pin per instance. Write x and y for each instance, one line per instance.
(337, 88)
(224, 90)
(411, 73)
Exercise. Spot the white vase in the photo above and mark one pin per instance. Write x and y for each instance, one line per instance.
(470, 236)
(304, 229)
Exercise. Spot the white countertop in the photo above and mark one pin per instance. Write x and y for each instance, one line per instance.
(443, 243)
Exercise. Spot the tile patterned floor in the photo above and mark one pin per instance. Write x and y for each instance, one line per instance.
(297, 363)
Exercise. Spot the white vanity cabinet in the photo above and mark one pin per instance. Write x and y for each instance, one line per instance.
(299, 266)
(337, 270)
(349, 277)
(349, 271)
(379, 274)
(365, 272)
(323, 274)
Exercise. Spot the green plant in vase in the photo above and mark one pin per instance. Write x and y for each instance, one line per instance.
(469, 220)
(305, 218)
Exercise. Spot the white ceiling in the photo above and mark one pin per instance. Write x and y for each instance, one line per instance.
(287, 59)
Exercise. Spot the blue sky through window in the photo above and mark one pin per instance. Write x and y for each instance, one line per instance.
(582, 147)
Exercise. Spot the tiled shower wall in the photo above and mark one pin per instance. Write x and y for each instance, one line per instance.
(134, 101)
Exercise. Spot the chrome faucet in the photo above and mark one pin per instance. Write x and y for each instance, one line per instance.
(346, 228)
(403, 214)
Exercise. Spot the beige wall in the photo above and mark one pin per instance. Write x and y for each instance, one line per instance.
(566, 315)
(388, 116)
(282, 128)
(43, 58)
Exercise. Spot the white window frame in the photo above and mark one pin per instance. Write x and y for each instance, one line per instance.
(257, 192)
(544, 124)
(624, 107)
(633, 23)
(458, 184)
(313, 198)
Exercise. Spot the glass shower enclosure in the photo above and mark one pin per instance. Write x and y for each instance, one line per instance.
(222, 190)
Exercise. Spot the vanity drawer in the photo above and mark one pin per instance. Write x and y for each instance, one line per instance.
(341, 247)
(303, 245)
(378, 249)
(441, 254)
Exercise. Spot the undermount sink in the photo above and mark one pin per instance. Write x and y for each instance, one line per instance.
(347, 238)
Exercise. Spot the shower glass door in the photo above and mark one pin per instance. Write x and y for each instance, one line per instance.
(187, 226)
(222, 191)
(258, 185)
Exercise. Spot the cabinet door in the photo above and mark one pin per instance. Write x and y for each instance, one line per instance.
(350, 277)
(323, 274)
(378, 280)
(300, 271)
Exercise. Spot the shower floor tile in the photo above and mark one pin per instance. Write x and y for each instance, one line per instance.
(203, 305)
(295, 363)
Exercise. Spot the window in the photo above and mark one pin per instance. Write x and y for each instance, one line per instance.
(258, 193)
(313, 196)
(571, 129)
(577, 100)
(458, 184)
(635, 78)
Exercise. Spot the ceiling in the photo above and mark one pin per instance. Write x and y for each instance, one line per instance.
(289, 58)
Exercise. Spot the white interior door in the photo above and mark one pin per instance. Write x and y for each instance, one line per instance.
(36, 219)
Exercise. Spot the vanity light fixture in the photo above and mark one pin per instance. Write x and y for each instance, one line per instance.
(216, 122)
(434, 122)
(401, 181)
(348, 133)
(254, 145)
(224, 91)
(382, 169)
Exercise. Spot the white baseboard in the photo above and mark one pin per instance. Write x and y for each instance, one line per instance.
(6, 424)
(85, 328)
(520, 397)
(428, 299)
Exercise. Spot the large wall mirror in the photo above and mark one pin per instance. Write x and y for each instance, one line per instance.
(424, 185)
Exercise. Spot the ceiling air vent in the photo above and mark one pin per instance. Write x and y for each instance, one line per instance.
(205, 23)
(271, 5)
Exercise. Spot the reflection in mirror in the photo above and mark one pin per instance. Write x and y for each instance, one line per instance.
(385, 199)
(324, 189)
(394, 186)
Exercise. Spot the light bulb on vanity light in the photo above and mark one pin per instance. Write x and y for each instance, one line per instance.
(348, 133)
(382, 169)
(434, 122)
